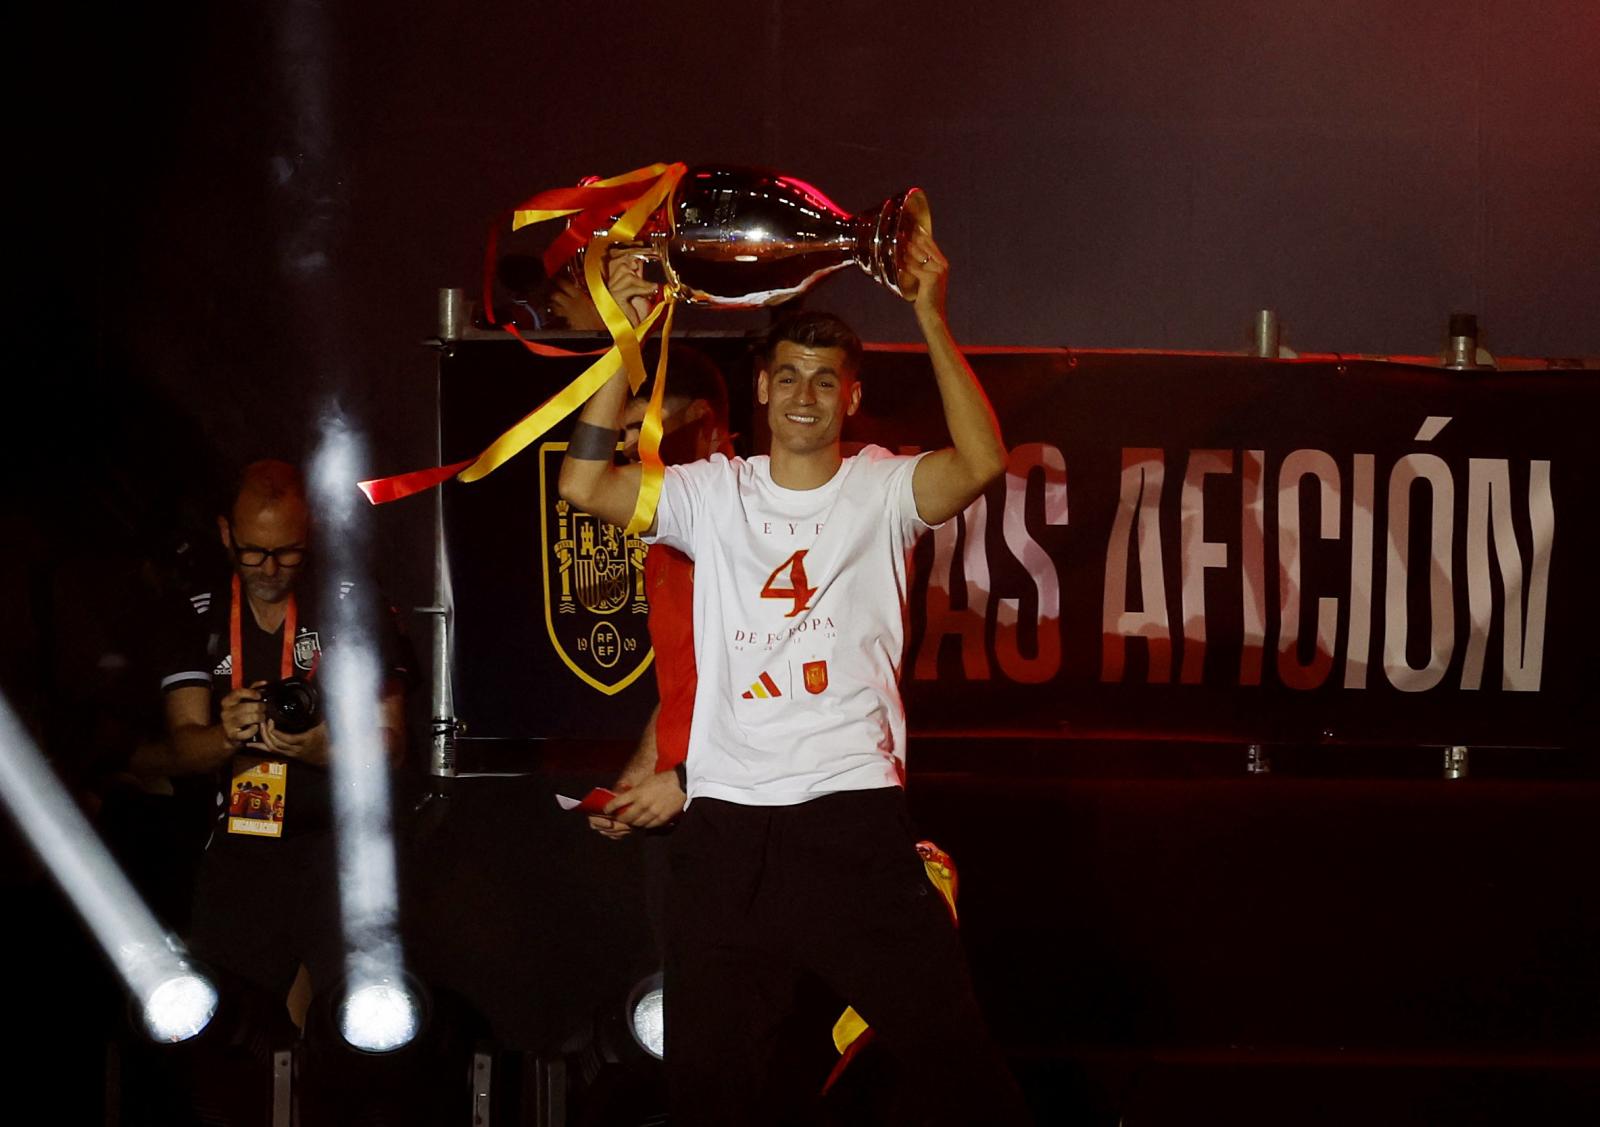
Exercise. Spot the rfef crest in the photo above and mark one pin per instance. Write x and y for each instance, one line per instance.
(816, 676)
(307, 649)
(595, 607)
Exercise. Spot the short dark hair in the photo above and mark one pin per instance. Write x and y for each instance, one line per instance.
(813, 330)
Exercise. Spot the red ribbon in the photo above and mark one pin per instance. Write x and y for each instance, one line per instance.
(381, 490)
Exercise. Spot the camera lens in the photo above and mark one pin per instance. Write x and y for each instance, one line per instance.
(292, 705)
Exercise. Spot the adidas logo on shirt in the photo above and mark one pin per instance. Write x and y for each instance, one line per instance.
(764, 688)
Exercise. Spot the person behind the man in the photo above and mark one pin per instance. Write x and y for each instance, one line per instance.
(694, 423)
(264, 621)
(795, 851)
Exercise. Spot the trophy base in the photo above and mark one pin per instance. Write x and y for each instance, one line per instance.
(883, 252)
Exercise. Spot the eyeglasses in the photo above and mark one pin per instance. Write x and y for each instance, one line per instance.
(292, 556)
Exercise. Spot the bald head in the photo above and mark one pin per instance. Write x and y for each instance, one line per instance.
(267, 529)
(267, 484)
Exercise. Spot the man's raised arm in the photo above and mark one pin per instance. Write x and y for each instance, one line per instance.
(590, 477)
(949, 480)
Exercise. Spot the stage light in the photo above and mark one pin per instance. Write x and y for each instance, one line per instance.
(180, 1007)
(172, 999)
(609, 1070)
(394, 1052)
(380, 1017)
(646, 1017)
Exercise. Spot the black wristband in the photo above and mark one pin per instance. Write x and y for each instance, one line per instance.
(590, 443)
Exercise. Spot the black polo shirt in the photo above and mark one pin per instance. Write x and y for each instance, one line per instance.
(196, 653)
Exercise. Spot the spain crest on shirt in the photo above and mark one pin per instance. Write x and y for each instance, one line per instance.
(595, 605)
(307, 649)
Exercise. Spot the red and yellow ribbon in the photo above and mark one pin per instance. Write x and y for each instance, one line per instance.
(641, 192)
(590, 207)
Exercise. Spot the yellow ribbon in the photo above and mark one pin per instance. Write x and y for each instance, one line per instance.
(625, 353)
(652, 474)
(627, 339)
(850, 1026)
(552, 410)
(524, 217)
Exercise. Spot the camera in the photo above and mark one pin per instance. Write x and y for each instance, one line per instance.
(293, 705)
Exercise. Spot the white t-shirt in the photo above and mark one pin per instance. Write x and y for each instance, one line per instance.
(799, 624)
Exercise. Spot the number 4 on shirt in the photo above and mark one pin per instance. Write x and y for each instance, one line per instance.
(792, 571)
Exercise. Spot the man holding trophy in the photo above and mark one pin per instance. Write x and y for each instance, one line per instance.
(795, 851)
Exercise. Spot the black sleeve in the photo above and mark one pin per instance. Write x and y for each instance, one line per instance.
(181, 649)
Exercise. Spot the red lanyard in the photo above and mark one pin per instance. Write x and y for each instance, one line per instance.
(235, 637)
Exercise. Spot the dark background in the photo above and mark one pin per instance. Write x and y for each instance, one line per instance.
(225, 214)
(1116, 174)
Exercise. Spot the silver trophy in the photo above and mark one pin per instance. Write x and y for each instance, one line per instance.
(742, 238)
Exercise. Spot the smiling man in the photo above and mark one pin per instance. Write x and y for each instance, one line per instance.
(795, 852)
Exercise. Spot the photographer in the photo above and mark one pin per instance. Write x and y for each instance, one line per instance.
(240, 692)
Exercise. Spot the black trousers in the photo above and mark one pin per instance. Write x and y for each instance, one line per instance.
(262, 908)
(834, 886)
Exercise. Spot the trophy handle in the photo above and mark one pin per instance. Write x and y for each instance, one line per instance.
(898, 220)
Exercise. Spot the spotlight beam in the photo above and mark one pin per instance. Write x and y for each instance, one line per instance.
(176, 1000)
(379, 1013)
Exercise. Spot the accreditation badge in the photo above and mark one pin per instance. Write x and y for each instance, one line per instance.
(256, 796)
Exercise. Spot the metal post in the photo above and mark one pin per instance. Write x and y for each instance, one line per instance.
(452, 314)
(482, 1085)
(1267, 334)
(1259, 762)
(283, 1089)
(550, 1092)
(1462, 353)
(442, 754)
